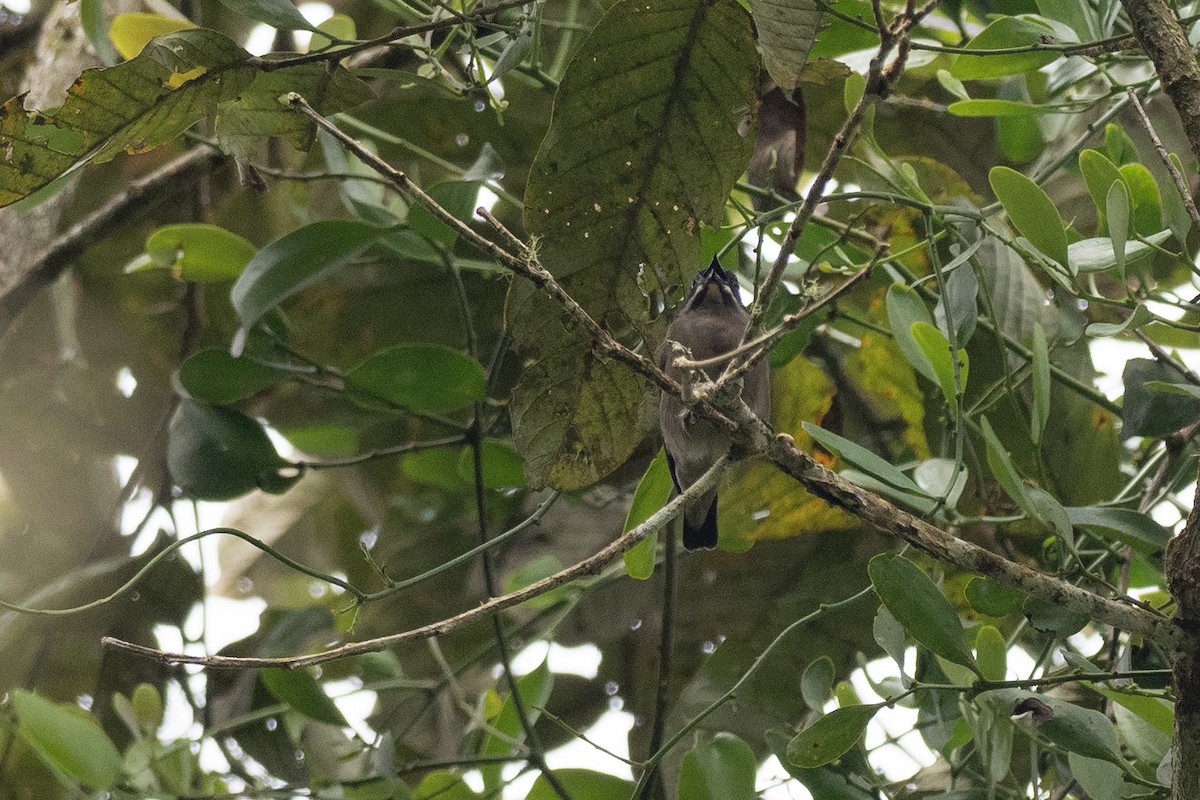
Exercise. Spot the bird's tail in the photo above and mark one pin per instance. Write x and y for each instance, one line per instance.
(701, 532)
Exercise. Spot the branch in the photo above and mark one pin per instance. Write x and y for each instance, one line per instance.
(588, 566)
(1176, 176)
(754, 435)
(1163, 38)
(141, 195)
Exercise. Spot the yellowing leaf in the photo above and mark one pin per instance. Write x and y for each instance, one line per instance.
(131, 32)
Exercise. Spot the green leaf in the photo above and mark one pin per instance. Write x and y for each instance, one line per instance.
(991, 651)
(1159, 713)
(531, 572)
(1124, 524)
(457, 197)
(936, 350)
(997, 108)
(830, 737)
(422, 377)
(436, 467)
(1144, 197)
(201, 253)
(443, 785)
(652, 493)
(905, 308)
(786, 32)
(276, 13)
(720, 768)
(215, 377)
(147, 706)
(1146, 412)
(1117, 207)
(68, 739)
(1002, 468)
(300, 690)
(1031, 211)
(1099, 173)
(296, 261)
(816, 684)
(889, 634)
(1097, 254)
(1071, 727)
(1048, 511)
(993, 598)
(507, 733)
(920, 607)
(1179, 220)
(1100, 779)
(135, 106)
(219, 454)
(641, 151)
(1119, 148)
(503, 467)
(862, 458)
(1040, 412)
(941, 477)
(245, 122)
(1182, 389)
(581, 784)
(1005, 32)
(1050, 618)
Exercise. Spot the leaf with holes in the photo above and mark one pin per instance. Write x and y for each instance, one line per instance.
(830, 737)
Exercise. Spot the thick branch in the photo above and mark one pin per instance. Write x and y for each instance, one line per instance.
(1165, 41)
(141, 194)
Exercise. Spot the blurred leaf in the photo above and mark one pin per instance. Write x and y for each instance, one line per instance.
(652, 493)
(1159, 713)
(215, 377)
(990, 107)
(1117, 207)
(641, 151)
(1179, 220)
(300, 690)
(582, 784)
(718, 768)
(148, 706)
(457, 197)
(531, 572)
(1118, 146)
(991, 651)
(1100, 779)
(816, 685)
(1146, 412)
(131, 32)
(1002, 468)
(889, 634)
(962, 290)
(339, 26)
(786, 31)
(941, 477)
(422, 377)
(219, 454)
(201, 253)
(1140, 316)
(828, 739)
(296, 261)
(69, 739)
(443, 785)
(1005, 32)
(276, 13)
(508, 732)
(1031, 210)
(993, 598)
(503, 468)
(436, 467)
(920, 607)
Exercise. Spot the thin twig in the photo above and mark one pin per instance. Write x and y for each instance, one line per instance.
(383, 452)
(1163, 357)
(591, 565)
(1176, 176)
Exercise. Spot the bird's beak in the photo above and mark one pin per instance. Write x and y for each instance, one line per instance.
(713, 272)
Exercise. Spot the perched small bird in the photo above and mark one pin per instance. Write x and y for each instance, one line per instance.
(710, 323)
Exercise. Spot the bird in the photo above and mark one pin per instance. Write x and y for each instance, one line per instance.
(710, 323)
